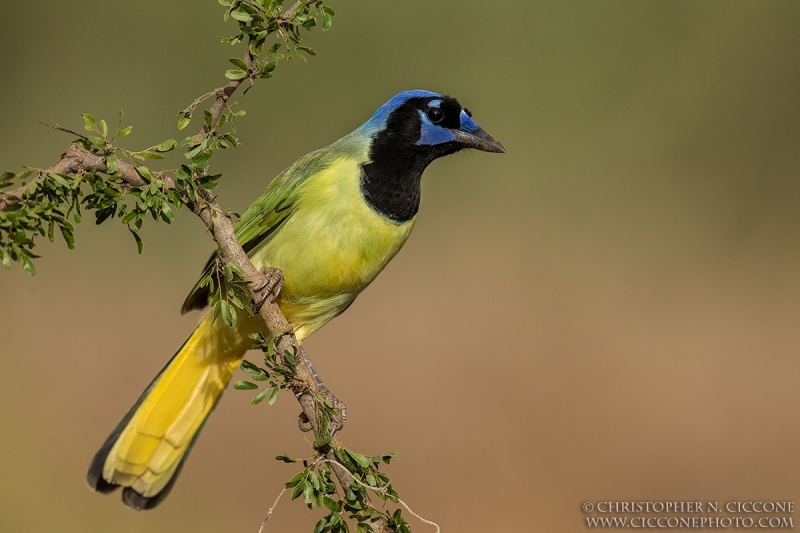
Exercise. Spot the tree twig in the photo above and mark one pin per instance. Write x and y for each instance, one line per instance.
(77, 159)
(380, 491)
(271, 509)
(65, 130)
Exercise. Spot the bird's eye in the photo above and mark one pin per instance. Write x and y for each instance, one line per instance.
(435, 114)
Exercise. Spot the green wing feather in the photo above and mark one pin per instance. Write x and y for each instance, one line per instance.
(264, 217)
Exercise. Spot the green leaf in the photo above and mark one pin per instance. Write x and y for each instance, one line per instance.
(308, 493)
(4, 259)
(256, 46)
(322, 441)
(24, 175)
(315, 480)
(321, 525)
(27, 264)
(245, 385)
(166, 214)
(194, 151)
(234, 74)
(228, 273)
(103, 128)
(262, 394)
(330, 504)
(286, 459)
(298, 489)
(297, 478)
(241, 15)
(145, 173)
(200, 162)
(62, 180)
(68, 237)
(360, 459)
(238, 62)
(111, 163)
(326, 20)
(387, 457)
(129, 217)
(228, 313)
(90, 124)
(124, 132)
(166, 146)
(259, 376)
(329, 10)
(147, 154)
(307, 49)
(247, 366)
(184, 121)
(97, 141)
(103, 214)
(235, 268)
(139, 243)
(274, 396)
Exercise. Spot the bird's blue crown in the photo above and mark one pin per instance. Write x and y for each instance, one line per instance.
(431, 133)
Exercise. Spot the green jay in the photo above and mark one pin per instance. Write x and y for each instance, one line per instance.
(331, 222)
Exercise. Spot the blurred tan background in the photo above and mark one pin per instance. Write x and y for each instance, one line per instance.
(636, 252)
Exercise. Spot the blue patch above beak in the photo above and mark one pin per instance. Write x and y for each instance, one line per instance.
(430, 134)
(467, 124)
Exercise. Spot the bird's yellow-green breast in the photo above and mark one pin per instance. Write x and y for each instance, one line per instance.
(345, 245)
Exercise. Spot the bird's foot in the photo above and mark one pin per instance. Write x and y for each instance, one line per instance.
(330, 406)
(271, 286)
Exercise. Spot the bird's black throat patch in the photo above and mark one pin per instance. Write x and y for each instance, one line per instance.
(391, 181)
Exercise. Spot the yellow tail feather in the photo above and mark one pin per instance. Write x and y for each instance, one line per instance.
(149, 449)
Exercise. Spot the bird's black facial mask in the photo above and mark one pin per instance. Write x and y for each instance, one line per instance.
(418, 131)
(440, 124)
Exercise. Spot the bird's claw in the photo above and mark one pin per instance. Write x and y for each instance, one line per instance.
(272, 286)
(337, 420)
(304, 423)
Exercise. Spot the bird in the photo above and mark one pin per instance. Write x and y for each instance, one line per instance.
(330, 222)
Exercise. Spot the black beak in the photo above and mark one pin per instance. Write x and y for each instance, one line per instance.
(480, 140)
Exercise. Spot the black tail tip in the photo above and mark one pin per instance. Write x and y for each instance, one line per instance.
(130, 497)
(137, 502)
(94, 478)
